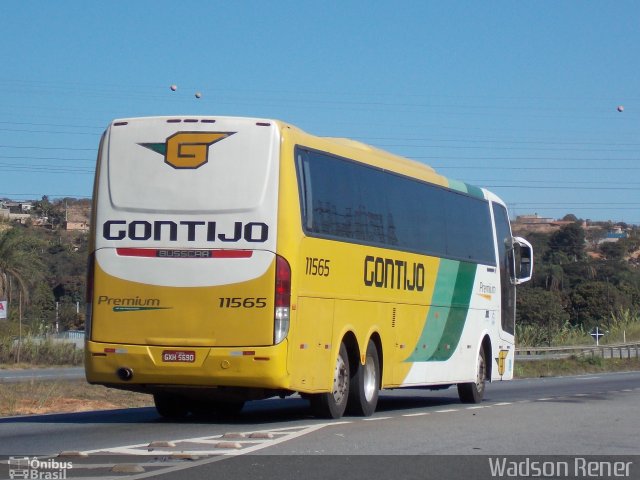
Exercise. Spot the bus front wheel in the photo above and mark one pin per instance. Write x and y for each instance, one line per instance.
(365, 384)
(474, 391)
(334, 403)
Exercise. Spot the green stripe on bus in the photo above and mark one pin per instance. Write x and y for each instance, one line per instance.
(474, 191)
(458, 313)
(438, 314)
(458, 185)
(467, 188)
(443, 327)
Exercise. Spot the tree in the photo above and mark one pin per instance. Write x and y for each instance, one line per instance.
(543, 312)
(593, 303)
(20, 266)
(569, 240)
(613, 250)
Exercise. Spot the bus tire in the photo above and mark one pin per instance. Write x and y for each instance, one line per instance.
(334, 403)
(365, 384)
(170, 406)
(474, 391)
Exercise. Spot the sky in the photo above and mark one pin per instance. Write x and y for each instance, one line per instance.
(519, 97)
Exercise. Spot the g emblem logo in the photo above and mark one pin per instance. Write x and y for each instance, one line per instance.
(187, 149)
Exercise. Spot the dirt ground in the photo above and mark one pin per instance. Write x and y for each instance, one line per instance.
(63, 396)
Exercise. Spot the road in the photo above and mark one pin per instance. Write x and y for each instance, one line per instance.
(580, 415)
(25, 375)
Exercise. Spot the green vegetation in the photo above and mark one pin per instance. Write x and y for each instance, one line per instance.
(40, 266)
(580, 283)
(573, 366)
(38, 352)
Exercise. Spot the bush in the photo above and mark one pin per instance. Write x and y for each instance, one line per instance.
(39, 352)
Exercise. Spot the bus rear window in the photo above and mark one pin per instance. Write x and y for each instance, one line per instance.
(229, 171)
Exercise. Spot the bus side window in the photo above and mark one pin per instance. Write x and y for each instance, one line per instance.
(506, 263)
(306, 196)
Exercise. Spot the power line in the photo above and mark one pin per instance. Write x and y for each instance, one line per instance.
(475, 167)
(573, 203)
(50, 195)
(564, 159)
(49, 125)
(478, 147)
(48, 131)
(560, 183)
(521, 142)
(534, 187)
(59, 159)
(51, 148)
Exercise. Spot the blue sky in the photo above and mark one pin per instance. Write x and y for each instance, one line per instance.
(519, 97)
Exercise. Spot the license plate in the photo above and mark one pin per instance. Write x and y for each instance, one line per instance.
(186, 356)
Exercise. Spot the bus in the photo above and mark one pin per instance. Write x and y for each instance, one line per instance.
(237, 259)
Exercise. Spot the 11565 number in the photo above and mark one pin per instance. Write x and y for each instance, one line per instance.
(318, 267)
(239, 302)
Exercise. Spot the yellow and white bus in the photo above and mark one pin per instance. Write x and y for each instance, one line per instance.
(235, 259)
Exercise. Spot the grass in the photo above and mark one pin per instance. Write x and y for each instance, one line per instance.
(61, 396)
(573, 366)
(35, 352)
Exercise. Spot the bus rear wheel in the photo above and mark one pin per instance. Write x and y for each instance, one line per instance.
(474, 391)
(170, 406)
(365, 384)
(334, 403)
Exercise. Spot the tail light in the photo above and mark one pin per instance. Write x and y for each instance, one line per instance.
(282, 307)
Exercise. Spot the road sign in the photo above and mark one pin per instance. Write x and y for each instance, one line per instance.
(597, 333)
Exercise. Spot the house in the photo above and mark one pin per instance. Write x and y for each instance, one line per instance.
(76, 219)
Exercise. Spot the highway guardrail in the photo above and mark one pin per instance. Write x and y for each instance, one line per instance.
(619, 350)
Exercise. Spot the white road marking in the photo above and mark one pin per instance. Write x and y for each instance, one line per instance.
(200, 449)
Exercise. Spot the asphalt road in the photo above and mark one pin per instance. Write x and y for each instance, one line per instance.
(413, 432)
(27, 374)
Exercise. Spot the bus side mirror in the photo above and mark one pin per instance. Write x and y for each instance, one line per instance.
(524, 266)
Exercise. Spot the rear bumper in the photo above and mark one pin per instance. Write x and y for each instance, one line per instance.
(255, 367)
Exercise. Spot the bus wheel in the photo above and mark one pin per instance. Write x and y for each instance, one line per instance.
(334, 403)
(474, 391)
(170, 406)
(365, 384)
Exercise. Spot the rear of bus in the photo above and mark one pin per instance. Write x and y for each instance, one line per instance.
(185, 289)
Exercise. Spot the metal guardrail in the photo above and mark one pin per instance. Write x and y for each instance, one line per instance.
(75, 337)
(619, 350)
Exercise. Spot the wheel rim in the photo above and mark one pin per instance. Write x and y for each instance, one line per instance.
(369, 379)
(340, 381)
(481, 374)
